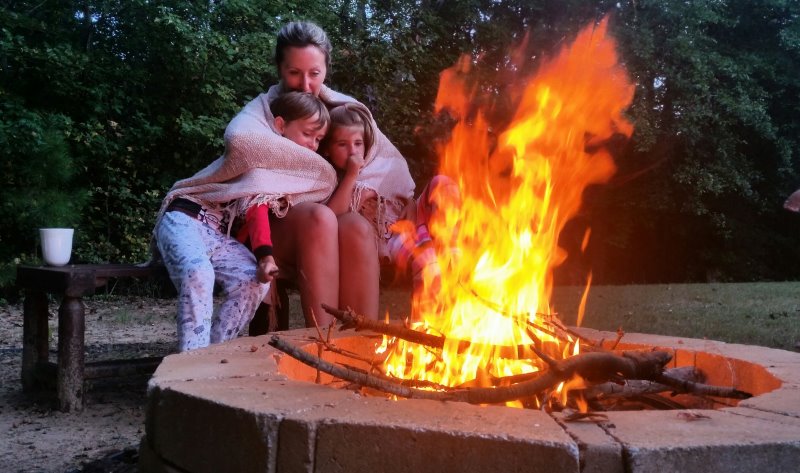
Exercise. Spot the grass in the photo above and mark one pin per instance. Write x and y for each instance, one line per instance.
(766, 314)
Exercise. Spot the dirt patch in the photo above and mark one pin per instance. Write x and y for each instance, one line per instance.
(36, 437)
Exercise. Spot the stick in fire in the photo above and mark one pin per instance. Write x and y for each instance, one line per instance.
(596, 367)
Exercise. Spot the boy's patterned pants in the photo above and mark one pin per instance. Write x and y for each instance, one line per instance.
(196, 255)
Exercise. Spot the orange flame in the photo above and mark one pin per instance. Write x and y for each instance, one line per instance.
(497, 243)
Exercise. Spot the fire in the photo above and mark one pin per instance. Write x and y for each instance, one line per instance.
(497, 238)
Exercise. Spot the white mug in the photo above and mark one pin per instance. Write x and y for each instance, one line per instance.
(56, 245)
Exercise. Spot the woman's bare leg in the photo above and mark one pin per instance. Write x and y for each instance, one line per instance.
(359, 269)
(306, 240)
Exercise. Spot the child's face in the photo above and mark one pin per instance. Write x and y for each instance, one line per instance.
(345, 142)
(306, 131)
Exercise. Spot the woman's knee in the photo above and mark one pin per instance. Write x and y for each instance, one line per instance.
(322, 218)
(355, 228)
(314, 219)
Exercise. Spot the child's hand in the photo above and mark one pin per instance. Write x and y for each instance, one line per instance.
(354, 164)
(267, 269)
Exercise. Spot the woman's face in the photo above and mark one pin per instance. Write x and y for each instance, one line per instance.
(303, 69)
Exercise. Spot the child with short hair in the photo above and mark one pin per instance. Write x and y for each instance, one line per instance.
(302, 118)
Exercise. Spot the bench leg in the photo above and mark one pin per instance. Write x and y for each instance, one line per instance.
(283, 308)
(260, 323)
(71, 325)
(34, 336)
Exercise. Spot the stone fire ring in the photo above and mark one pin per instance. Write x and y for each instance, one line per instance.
(242, 406)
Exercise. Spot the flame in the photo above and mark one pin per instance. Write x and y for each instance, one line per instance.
(496, 239)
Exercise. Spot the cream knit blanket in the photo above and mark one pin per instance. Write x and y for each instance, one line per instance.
(260, 166)
(258, 161)
(385, 171)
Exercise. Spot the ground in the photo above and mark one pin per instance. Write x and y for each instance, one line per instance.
(36, 437)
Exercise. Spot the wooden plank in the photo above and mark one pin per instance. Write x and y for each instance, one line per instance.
(56, 280)
(79, 279)
(46, 372)
(120, 368)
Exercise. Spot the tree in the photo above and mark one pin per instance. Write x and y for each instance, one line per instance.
(119, 99)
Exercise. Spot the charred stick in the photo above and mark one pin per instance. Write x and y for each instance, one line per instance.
(358, 377)
(541, 354)
(514, 378)
(358, 322)
(634, 365)
(620, 334)
(372, 362)
(701, 389)
(636, 387)
(413, 383)
(556, 322)
(592, 365)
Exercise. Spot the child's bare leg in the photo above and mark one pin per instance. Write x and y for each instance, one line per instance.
(359, 270)
(306, 239)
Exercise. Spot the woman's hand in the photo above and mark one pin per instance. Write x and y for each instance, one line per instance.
(267, 269)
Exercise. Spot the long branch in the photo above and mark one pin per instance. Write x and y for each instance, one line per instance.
(358, 322)
(701, 389)
(637, 387)
(630, 365)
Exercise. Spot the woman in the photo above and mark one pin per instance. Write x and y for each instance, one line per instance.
(335, 260)
(309, 240)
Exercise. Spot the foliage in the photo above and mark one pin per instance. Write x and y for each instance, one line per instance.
(713, 146)
(106, 103)
(39, 188)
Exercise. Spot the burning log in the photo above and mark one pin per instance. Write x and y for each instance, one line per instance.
(700, 389)
(593, 366)
(633, 388)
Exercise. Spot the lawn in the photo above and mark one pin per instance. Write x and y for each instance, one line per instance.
(766, 314)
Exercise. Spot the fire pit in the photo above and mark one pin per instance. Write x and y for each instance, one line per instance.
(242, 406)
(481, 320)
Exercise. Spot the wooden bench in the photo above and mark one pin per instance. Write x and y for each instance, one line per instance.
(73, 282)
